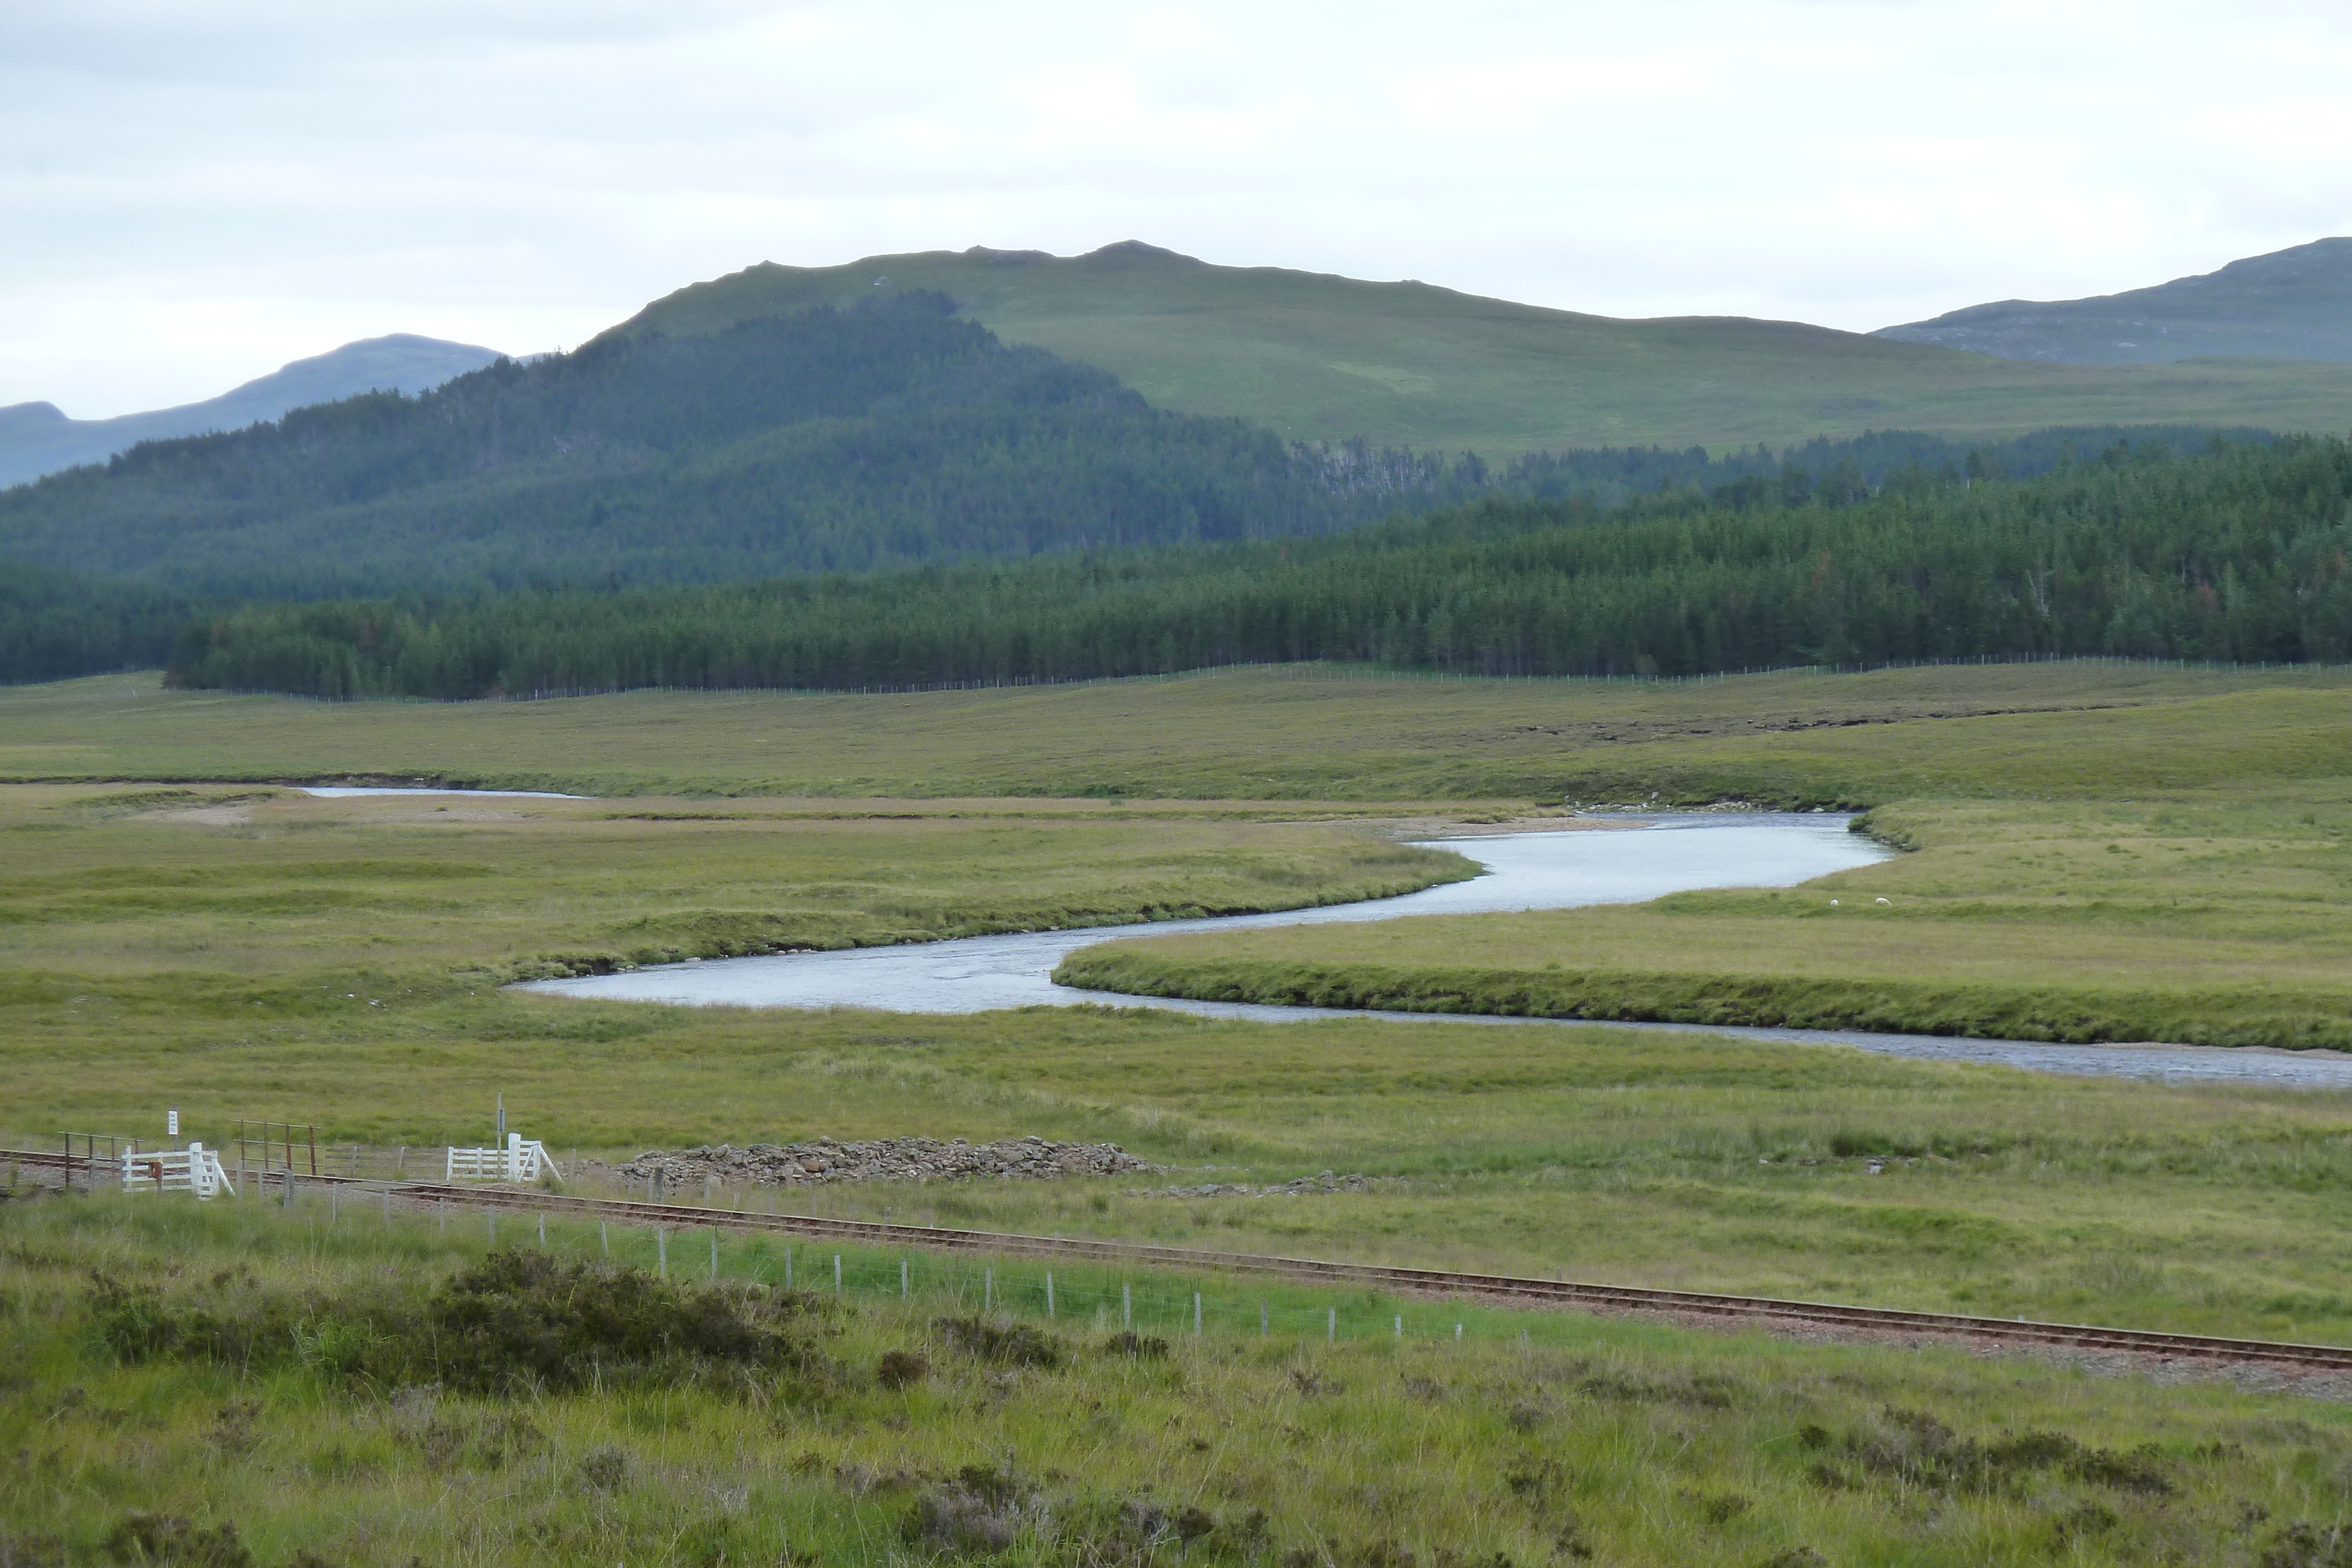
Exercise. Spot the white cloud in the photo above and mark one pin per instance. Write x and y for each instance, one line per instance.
(195, 195)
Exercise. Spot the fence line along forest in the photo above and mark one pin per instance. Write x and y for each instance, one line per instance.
(2239, 554)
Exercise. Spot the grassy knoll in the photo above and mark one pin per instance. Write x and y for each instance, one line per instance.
(1319, 357)
(1314, 732)
(313, 1393)
(2214, 916)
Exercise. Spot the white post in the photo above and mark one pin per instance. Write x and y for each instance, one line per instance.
(1049, 1293)
(661, 1249)
(514, 1155)
(1196, 1315)
(714, 1254)
(603, 1241)
(1331, 1324)
(836, 1273)
(543, 1232)
(1399, 1327)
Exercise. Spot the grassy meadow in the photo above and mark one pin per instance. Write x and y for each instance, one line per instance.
(178, 930)
(252, 1385)
(2088, 729)
(1653, 1160)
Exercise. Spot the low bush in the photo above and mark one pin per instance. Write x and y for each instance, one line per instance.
(1007, 1345)
(520, 1319)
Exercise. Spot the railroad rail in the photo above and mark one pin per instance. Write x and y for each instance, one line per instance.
(1568, 1295)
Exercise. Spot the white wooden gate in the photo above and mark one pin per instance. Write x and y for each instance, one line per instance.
(519, 1161)
(194, 1169)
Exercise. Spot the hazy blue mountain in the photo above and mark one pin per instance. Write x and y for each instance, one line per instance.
(2289, 305)
(37, 438)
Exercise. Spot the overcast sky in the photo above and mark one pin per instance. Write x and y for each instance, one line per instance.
(195, 194)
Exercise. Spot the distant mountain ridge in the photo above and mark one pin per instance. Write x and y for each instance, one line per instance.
(38, 438)
(1317, 357)
(2294, 304)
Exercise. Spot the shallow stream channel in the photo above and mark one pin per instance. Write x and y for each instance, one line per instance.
(1523, 871)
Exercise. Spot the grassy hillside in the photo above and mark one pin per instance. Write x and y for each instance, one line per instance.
(2294, 304)
(1321, 357)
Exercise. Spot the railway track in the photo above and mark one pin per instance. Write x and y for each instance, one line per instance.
(1503, 1288)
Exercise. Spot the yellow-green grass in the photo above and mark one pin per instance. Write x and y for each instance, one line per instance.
(2218, 917)
(1657, 1159)
(2078, 731)
(1319, 357)
(1599, 1441)
(228, 887)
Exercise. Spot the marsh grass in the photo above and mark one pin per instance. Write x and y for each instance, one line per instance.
(251, 890)
(2095, 729)
(2215, 917)
(331, 962)
(1612, 1442)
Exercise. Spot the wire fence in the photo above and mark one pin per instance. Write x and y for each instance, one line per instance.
(1082, 1300)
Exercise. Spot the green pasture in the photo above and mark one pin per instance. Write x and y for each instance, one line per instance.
(1589, 1440)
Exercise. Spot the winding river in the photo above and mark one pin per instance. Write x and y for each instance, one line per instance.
(1523, 871)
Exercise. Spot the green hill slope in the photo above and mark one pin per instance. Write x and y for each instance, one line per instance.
(1321, 357)
(2293, 304)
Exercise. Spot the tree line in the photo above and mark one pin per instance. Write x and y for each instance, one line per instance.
(2237, 554)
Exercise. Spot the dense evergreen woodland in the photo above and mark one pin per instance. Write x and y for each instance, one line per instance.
(831, 441)
(54, 625)
(888, 495)
(2237, 553)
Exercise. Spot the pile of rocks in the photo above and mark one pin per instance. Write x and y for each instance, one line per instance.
(1326, 1182)
(882, 1159)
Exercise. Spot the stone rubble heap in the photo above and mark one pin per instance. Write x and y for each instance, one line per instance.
(882, 1159)
(1326, 1182)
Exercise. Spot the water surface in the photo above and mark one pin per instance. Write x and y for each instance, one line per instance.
(346, 791)
(1523, 871)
